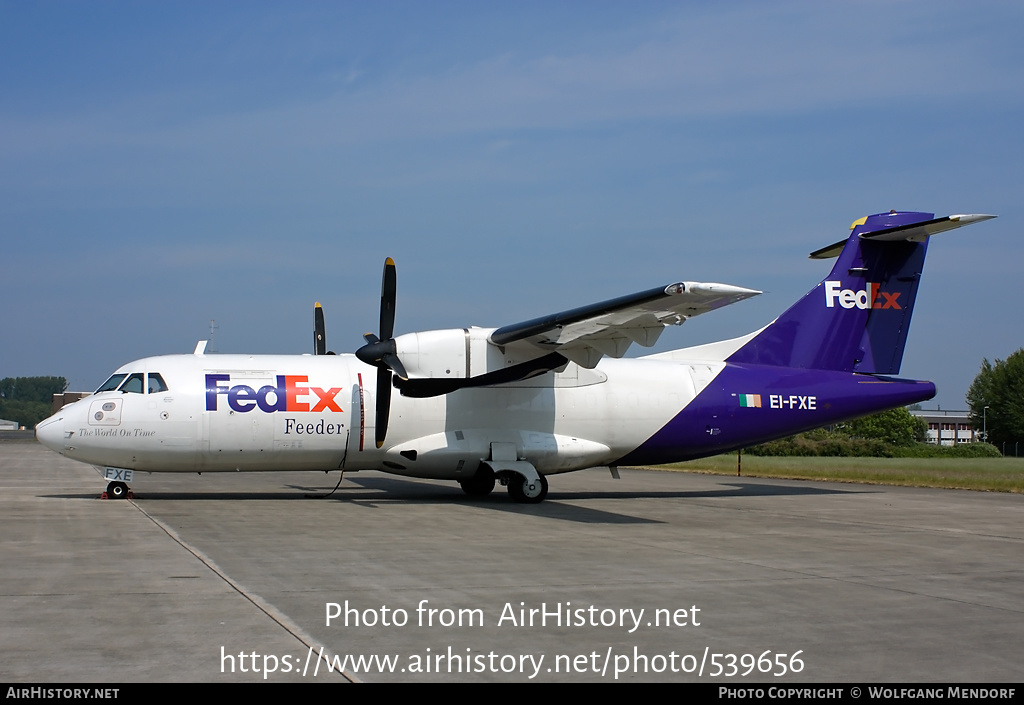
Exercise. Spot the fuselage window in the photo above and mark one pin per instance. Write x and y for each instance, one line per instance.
(111, 383)
(156, 383)
(133, 385)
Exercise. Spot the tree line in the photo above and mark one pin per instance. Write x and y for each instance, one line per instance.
(29, 400)
(895, 433)
(996, 401)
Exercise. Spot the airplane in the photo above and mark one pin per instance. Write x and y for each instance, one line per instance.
(520, 403)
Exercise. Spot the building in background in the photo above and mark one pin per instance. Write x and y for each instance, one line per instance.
(948, 428)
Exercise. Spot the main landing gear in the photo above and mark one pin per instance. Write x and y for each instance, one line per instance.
(521, 489)
(526, 491)
(481, 484)
(118, 490)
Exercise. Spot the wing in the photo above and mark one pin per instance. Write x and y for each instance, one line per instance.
(586, 334)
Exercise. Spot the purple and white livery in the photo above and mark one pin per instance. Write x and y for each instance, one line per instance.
(519, 403)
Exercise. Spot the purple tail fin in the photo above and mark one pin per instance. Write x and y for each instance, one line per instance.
(857, 319)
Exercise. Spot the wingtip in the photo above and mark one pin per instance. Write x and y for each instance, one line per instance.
(971, 217)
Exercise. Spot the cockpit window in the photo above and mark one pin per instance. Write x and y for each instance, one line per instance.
(133, 384)
(111, 383)
(156, 383)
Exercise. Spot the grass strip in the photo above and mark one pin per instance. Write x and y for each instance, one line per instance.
(982, 474)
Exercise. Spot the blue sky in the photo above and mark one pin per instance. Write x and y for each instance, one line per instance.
(165, 164)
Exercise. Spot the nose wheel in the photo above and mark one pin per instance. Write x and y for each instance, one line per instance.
(118, 490)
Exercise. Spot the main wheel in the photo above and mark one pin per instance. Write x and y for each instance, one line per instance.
(481, 484)
(528, 491)
(117, 490)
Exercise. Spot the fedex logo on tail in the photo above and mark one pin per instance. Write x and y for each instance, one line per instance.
(290, 394)
(872, 297)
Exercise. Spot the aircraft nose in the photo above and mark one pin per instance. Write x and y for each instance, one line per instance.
(50, 432)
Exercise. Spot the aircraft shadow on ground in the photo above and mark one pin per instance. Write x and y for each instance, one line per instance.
(374, 491)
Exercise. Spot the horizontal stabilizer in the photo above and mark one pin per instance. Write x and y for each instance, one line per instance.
(914, 232)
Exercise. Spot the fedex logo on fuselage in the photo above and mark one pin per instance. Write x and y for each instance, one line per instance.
(283, 397)
(865, 298)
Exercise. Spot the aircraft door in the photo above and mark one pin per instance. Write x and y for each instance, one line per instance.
(245, 434)
(361, 420)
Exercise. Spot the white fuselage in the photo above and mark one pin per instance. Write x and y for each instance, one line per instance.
(276, 412)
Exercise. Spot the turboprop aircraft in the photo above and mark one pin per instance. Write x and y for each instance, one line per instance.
(529, 400)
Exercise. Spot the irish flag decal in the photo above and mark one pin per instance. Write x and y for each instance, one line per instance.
(750, 400)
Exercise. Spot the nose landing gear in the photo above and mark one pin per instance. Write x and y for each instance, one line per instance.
(118, 490)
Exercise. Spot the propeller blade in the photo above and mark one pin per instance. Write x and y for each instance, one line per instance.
(380, 352)
(383, 405)
(319, 336)
(388, 292)
(394, 364)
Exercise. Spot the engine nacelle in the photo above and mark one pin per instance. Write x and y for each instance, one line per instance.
(444, 354)
(456, 353)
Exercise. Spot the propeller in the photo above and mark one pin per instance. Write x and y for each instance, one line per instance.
(319, 337)
(381, 352)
